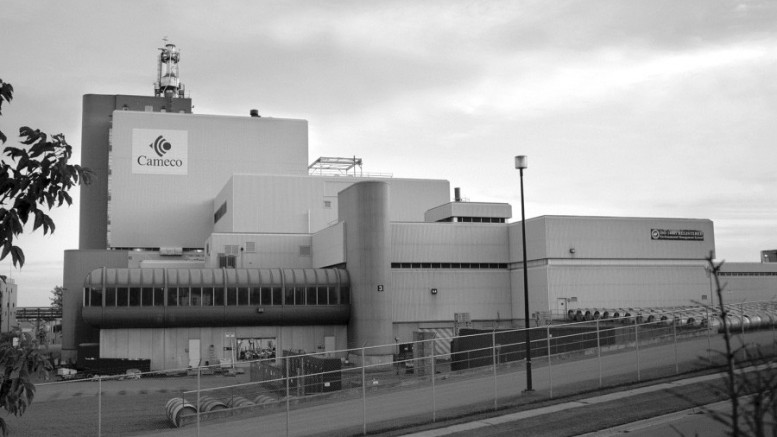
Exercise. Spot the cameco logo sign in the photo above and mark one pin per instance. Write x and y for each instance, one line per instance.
(161, 146)
(160, 151)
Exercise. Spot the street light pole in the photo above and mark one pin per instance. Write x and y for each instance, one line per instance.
(521, 164)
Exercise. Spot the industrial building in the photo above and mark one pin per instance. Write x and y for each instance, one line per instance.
(206, 236)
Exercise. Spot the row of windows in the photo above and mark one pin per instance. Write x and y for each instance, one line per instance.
(216, 296)
(449, 265)
(747, 274)
(474, 219)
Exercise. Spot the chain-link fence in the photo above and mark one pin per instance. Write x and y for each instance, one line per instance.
(368, 389)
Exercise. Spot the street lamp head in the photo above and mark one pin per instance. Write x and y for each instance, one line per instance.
(521, 162)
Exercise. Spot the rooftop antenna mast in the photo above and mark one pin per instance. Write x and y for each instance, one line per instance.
(168, 82)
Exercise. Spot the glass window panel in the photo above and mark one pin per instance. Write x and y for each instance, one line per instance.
(207, 296)
(147, 296)
(266, 296)
(122, 296)
(289, 298)
(134, 297)
(277, 296)
(172, 296)
(159, 297)
(256, 296)
(310, 293)
(231, 296)
(110, 297)
(322, 295)
(183, 296)
(242, 296)
(299, 296)
(86, 297)
(218, 296)
(96, 299)
(195, 296)
(332, 295)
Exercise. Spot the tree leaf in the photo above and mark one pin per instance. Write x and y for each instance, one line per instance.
(38, 220)
(17, 255)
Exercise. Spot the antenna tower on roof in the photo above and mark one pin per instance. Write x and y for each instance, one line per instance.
(168, 82)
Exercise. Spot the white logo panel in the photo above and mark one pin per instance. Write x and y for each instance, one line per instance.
(160, 151)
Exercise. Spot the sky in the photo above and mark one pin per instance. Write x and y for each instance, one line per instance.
(624, 108)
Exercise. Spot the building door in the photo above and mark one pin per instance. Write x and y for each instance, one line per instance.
(194, 352)
(561, 306)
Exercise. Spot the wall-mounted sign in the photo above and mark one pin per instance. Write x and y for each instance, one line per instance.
(160, 151)
(675, 234)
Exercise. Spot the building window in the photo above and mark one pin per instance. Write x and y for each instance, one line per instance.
(183, 296)
(147, 296)
(277, 296)
(327, 204)
(304, 251)
(218, 296)
(266, 296)
(172, 296)
(96, 297)
(227, 261)
(242, 296)
(256, 296)
(250, 247)
(122, 297)
(436, 265)
(231, 296)
(323, 292)
(311, 295)
(207, 296)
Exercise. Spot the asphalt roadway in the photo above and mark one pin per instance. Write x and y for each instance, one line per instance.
(389, 412)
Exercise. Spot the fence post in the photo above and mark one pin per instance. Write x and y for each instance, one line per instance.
(493, 358)
(636, 344)
(550, 371)
(99, 405)
(434, 393)
(199, 371)
(599, 351)
(742, 320)
(287, 366)
(674, 333)
(709, 335)
(364, 396)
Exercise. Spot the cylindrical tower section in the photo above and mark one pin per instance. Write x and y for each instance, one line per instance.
(364, 207)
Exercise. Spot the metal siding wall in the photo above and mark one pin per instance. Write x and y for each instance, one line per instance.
(281, 203)
(271, 250)
(624, 238)
(538, 290)
(449, 242)
(329, 246)
(749, 288)
(226, 223)
(536, 239)
(485, 294)
(628, 286)
(177, 210)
